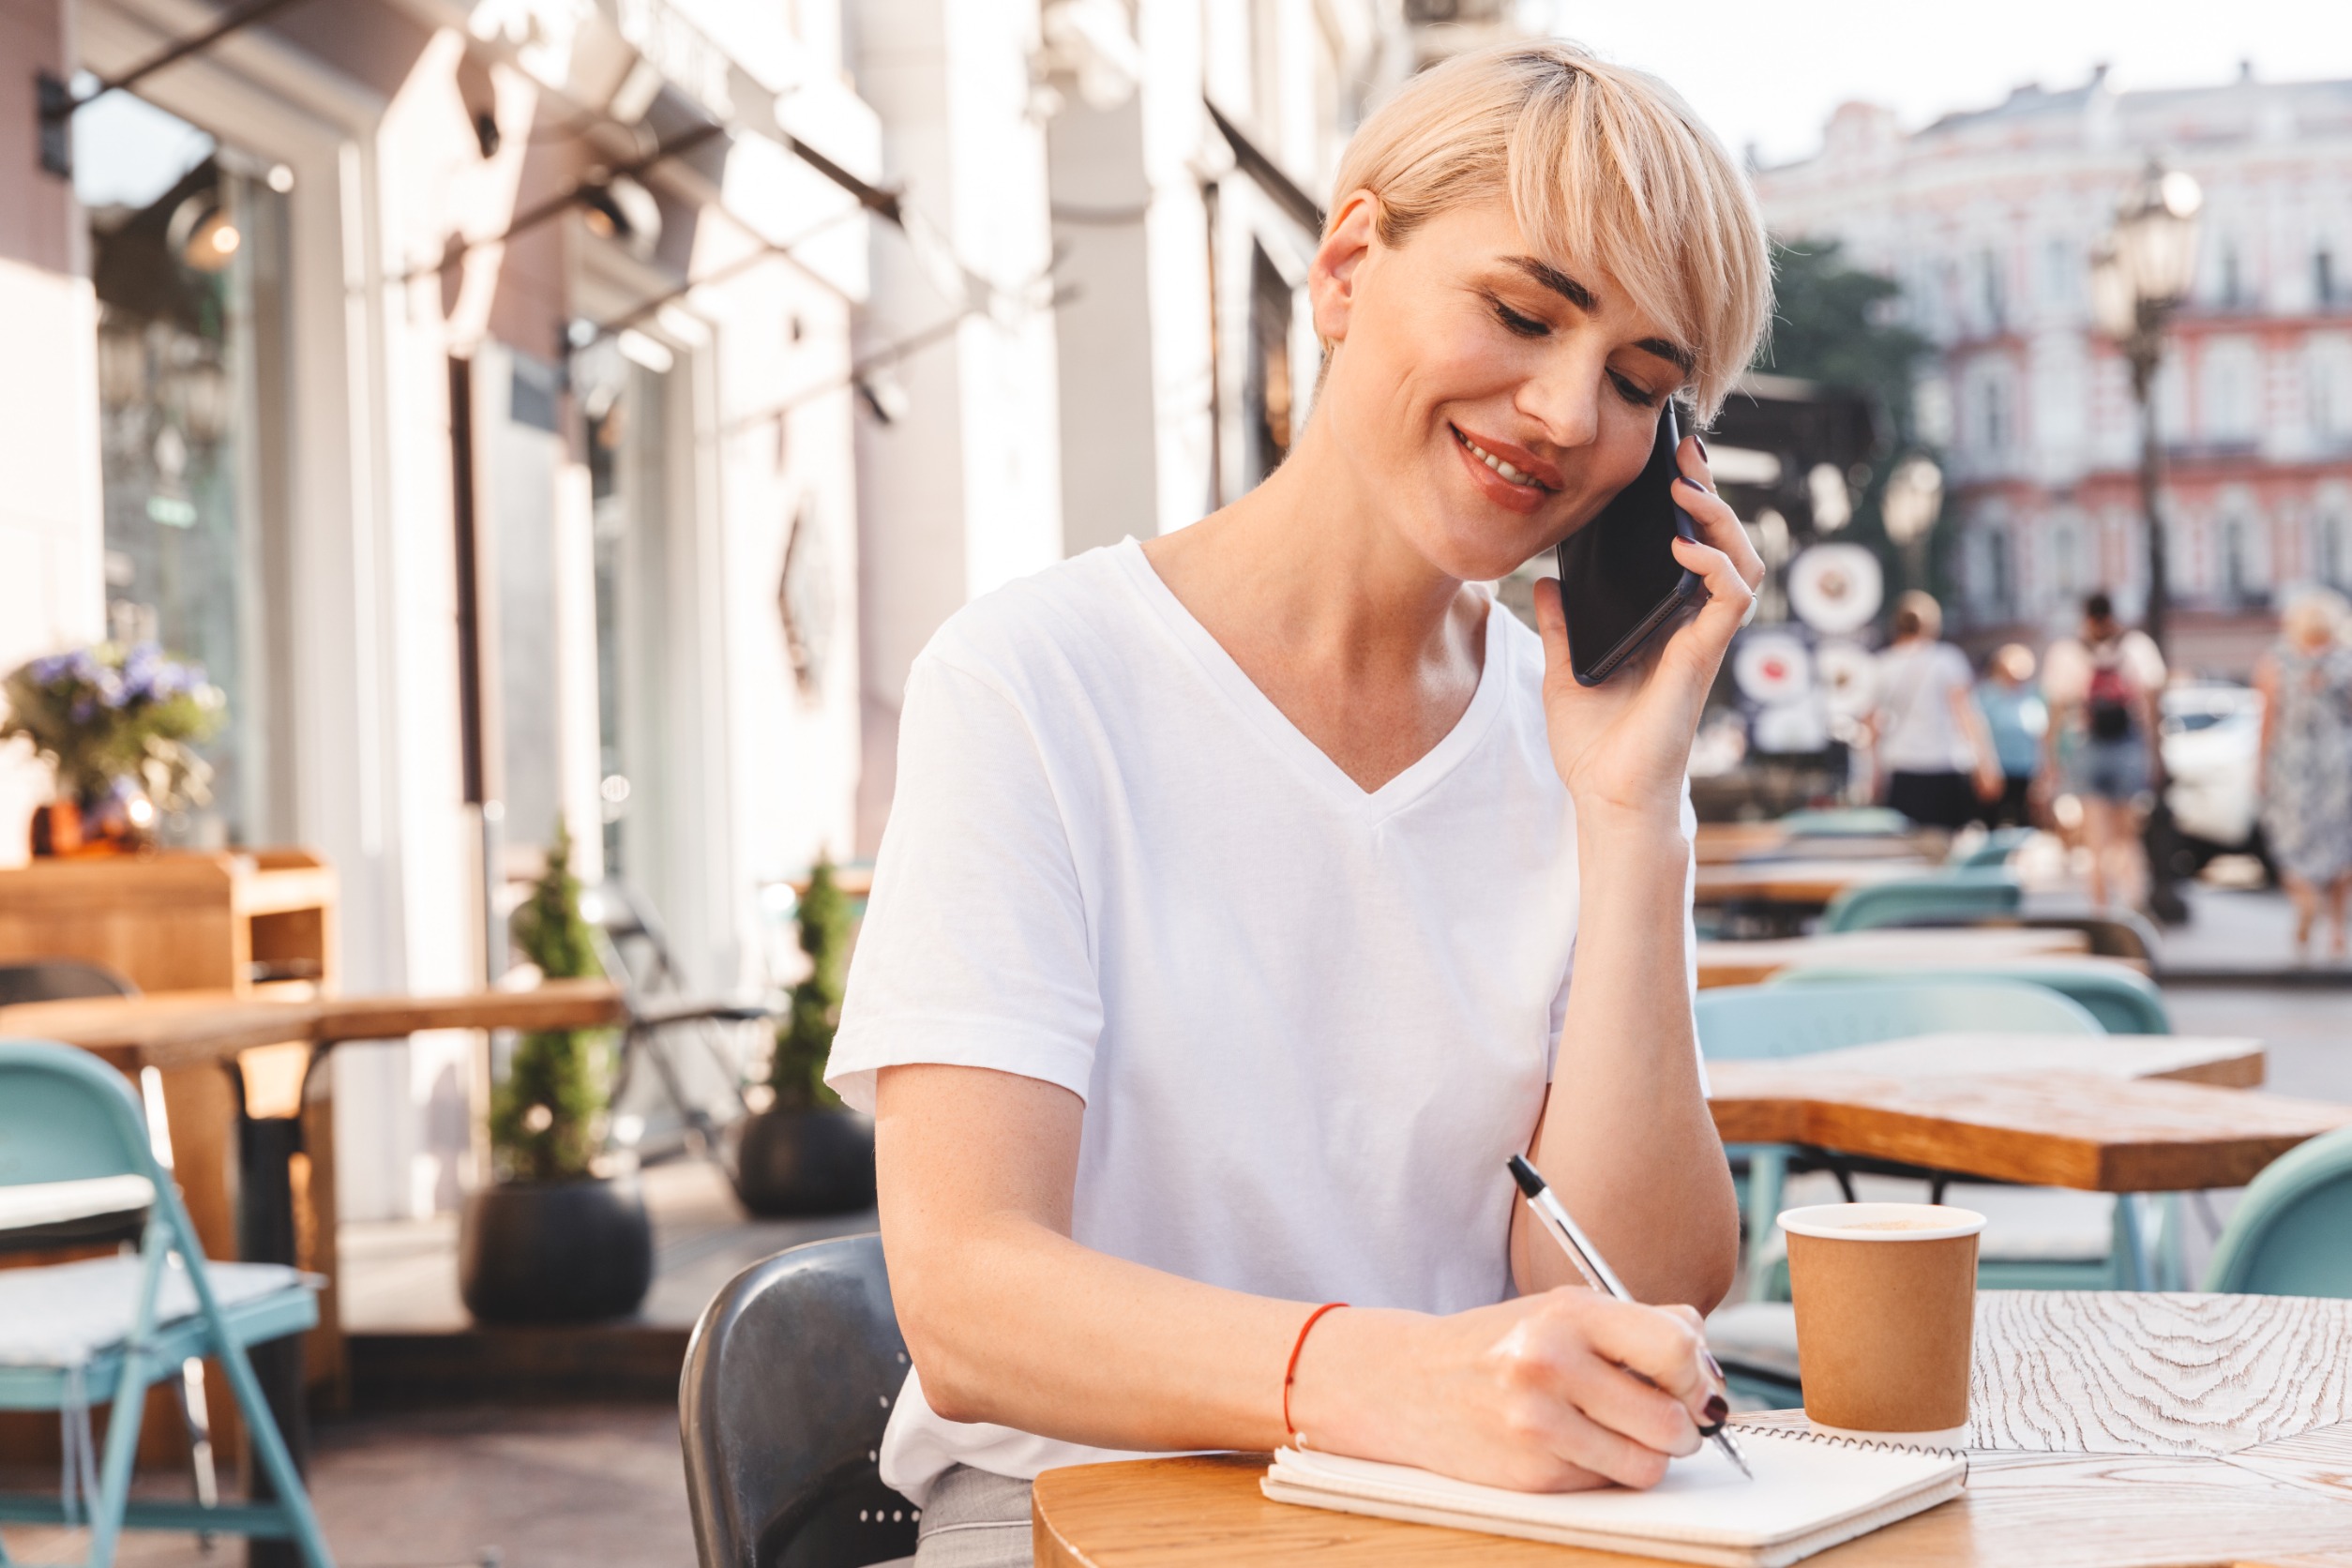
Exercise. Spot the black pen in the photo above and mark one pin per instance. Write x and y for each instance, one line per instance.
(1595, 1268)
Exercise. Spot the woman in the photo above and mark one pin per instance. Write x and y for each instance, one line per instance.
(2016, 719)
(1934, 754)
(1219, 949)
(2306, 770)
(2102, 687)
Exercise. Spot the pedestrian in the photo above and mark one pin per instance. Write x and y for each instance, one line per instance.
(1935, 758)
(2102, 686)
(2017, 718)
(2305, 773)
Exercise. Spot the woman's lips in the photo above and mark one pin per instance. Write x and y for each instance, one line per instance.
(1534, 482)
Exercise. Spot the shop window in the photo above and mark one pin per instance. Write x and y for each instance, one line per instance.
(187, 241)
(1268, 397)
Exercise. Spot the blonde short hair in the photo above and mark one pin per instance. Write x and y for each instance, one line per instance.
(1602, 166)
(1918, 614)
(2317, 610)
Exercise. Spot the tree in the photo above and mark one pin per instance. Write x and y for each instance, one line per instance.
(1831, 325)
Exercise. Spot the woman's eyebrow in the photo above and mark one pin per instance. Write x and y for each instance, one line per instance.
(1584, 299)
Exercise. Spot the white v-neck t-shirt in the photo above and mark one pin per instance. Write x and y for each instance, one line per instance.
(1309, 1023)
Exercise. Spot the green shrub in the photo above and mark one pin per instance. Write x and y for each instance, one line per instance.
(804, 1038)
(548, 1118)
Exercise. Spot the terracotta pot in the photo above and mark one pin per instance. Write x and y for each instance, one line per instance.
(555, 1252)
(805, 1162)
(56, 829)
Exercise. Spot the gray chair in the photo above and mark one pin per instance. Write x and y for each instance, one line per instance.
(789, 1382)
(59, 980)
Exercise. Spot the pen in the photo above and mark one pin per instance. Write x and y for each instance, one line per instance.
(1597, 1273)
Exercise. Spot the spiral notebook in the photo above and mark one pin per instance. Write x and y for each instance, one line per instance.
(1812, 1491)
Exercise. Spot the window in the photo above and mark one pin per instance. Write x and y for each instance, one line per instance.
(1268, 398)
(2061, 273)
(1988, 263)
(2231, 284)
(2331, 548)
(188, 243)
(1993, 414)
(2328, 386)
(2229, 381)
(2323, 276)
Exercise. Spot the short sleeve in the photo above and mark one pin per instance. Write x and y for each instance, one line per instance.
(1957, 677)
(2065, 672)
(2145, 661)
(975, 950)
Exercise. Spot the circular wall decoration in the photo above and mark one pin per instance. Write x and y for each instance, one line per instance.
(1835, 589)
(1771, 666)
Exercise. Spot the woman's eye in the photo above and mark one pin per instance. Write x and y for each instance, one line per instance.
(1633, 392)
(1526, 326)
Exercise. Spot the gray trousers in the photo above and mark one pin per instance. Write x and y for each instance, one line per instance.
(974, 1520)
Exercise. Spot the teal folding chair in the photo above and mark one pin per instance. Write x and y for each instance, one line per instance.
(1947, 897)
(1748, 1022)
(1994, 850)
(2124, 1001)
(2291, 1234)
(73, 1144)
(1847, 821)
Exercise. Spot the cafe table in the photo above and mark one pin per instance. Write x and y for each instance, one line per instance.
(1807, 883)
(2108, 1430)
(2117, 1113)
(1750, 963)
(269, 1046)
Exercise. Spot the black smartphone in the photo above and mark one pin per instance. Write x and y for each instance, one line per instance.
(1618, 580)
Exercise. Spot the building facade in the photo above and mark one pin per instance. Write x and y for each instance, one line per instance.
(1988, 219)
(582, 411)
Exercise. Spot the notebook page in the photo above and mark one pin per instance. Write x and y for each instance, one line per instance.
(1800, 1487)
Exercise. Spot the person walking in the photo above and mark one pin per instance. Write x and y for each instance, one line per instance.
(1935, 757)
(2016, 718)
(2102, 686)
(2306, 772)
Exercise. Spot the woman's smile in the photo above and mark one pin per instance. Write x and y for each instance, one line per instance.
(1509, 475)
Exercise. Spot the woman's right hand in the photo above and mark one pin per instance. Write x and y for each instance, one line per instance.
(1538, 1394)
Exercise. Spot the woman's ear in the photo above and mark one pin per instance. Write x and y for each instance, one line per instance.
(1331, 280)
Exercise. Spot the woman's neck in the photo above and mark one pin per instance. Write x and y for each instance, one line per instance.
(1367, 648)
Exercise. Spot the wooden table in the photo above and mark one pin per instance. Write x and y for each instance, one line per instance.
(270, 1044)
(1804, 883)
(1750, 963)
(2109, 1430)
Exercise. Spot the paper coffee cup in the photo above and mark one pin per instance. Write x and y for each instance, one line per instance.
(1886, 1313)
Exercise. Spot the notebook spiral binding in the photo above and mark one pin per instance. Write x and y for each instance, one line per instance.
(1839, 1440)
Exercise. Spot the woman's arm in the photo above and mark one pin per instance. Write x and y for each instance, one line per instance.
(2266, 681)
(1970, 719)
(1626, 1137)
(1010, 1321)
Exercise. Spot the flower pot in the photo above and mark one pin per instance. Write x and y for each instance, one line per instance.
(555, 1252)
(56, 829)
(805, 1162)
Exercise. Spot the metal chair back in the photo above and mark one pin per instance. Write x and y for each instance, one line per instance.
(789, 1381)
(59, 980)
(1740, 1022)
(2124, 1001)
(1953, 898)
(2291, 1234)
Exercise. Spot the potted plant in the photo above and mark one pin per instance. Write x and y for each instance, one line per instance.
(119, 725)
(805, 1152)
(554, 1238)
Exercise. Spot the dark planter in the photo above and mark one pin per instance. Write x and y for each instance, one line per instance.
(561, 1252)
(805, 1162)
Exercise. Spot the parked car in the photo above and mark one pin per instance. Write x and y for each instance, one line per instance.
(2213, 744)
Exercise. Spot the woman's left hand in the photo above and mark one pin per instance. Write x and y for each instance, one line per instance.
(1624, 745)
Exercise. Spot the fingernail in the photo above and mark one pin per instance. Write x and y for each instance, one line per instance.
(1712, 1364)
(1686, 479)
(1702, 441)
(1717, 1408)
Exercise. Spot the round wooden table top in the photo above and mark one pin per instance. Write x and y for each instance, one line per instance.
(2109, 1430)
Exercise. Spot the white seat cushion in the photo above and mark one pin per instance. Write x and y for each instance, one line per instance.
(56, 1202)
(63, 1314)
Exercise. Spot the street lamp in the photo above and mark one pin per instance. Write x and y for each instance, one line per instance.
(2139, 274)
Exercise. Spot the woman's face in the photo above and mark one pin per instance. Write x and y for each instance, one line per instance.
(1462, 345)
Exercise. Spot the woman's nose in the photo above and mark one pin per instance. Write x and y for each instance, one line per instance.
(1565, 400)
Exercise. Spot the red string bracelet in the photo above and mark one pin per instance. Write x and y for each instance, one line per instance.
(1291, 1371)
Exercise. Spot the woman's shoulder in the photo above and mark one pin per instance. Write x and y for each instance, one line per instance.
(1072, 611)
